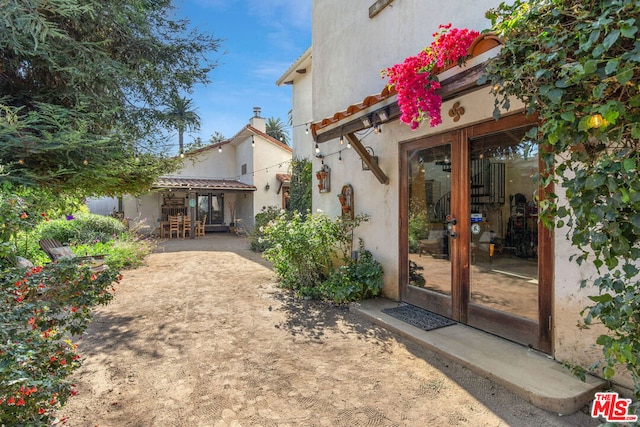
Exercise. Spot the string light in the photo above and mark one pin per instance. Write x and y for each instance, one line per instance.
(317, 148)
(220, 149)
(341, 140)
(253, 142)
(306, 131)
(340, 155)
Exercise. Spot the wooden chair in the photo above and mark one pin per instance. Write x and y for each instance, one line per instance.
(186, 226)
(56, 250)
(174, 225)
(200, 226)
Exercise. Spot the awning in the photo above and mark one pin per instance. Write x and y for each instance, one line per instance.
(285, 181)
(202, 184)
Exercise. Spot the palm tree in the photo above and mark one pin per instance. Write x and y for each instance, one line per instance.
(277, 129)
(181, 115)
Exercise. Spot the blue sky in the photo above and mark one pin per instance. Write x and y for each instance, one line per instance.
(261, 39)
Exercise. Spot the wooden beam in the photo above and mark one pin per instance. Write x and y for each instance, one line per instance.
(459, 84)
(355, 125)
(366, 158)
(377, 7)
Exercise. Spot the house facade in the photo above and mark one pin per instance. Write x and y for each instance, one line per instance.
(453, 208)
(223, 183)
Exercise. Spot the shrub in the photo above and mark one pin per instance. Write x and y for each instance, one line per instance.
(258, 243)
(84, 228)
(308, 251)
(41, 308)
(357, 280)
(125, 251)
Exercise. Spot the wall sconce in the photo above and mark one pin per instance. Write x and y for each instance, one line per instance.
(374, 159)
(366, 122)
(383, 116)
(267, 187)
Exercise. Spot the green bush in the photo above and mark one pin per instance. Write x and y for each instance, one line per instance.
(258, 243)
(40, 309)
(125, 251)
(84, 228)
(312, 255)
(357, 280)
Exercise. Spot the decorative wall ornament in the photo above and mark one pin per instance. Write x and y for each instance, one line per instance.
(456, 111)
(324, 179)
(346, 202)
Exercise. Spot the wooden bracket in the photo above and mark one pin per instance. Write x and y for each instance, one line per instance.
(366, 158)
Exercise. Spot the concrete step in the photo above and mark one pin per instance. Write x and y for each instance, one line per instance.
(534, 376)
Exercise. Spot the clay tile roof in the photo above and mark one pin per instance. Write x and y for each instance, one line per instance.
(283, 177)
(481, 44)
(202, 183)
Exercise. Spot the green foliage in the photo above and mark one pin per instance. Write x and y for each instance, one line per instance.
(418, 227)
(40, 309)
(312, 255)
(300, 190)
(21, 210)
(357, 280)
(83, 228)
(576, 65)
(277, 129)
(180, 115)
(82, 90)
(266, 214)
(125, 251)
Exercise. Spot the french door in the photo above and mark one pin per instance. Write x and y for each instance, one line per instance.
(470, 240)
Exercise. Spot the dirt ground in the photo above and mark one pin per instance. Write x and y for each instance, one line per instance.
(202, 336)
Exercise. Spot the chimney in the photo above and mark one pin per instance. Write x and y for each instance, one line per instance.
(258, 122)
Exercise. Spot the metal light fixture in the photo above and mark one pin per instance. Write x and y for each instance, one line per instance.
(374, 159)
(383, 116)
(267, 187)
(317, 148)
(366, 122)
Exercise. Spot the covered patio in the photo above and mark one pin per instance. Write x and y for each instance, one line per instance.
(213, 204)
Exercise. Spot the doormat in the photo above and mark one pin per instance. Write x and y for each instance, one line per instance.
(418, 317)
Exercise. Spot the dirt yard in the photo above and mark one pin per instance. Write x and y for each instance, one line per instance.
(202, 336)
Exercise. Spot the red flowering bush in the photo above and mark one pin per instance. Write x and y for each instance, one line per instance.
(41, 310)
(415, 78)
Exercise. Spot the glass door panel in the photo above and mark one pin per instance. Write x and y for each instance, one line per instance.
(504, 224)
(429, 195)
(203, 207)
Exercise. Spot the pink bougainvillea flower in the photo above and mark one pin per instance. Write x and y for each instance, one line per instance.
(415, 78)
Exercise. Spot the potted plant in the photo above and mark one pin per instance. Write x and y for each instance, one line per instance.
(342, 198)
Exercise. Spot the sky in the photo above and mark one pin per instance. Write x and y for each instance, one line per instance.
(261, 40)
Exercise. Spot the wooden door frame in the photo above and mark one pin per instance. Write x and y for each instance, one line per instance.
(536, 334)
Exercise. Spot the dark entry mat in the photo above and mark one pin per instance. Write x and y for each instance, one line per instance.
(418, 317)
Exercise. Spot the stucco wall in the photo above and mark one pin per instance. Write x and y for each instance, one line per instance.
(350, 49)
(302, 115)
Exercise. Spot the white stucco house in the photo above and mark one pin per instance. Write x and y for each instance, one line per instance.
(453, 208)
(222, 183)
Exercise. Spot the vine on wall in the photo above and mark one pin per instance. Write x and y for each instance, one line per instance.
(577, 65)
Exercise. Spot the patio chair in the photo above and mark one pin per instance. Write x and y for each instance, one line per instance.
(174, 226)
(200, 226)
(56, 251)
(186, 226)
